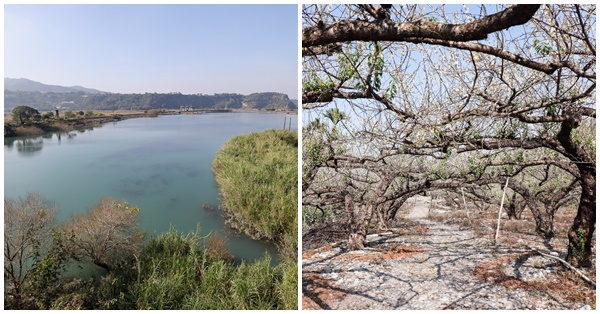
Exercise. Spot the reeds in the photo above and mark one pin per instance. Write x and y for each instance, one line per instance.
(257, 176)
(174, 273)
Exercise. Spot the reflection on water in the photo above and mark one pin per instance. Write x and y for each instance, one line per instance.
(25, 146)
(161, 165)
(32, 145)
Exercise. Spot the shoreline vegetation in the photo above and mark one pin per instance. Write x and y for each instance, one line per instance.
(257, 176)
(73, 120)
(171, 271)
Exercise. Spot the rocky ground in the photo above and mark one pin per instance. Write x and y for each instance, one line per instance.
(425, 264)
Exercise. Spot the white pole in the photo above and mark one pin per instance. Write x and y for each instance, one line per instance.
(500, 212)
(465, 202)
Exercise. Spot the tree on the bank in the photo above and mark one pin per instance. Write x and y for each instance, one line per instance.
(28, 224)
(107, 235)
(472, 95)
(22, 114)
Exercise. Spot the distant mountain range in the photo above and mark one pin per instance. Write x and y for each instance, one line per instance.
(25, 85)
(49, 97)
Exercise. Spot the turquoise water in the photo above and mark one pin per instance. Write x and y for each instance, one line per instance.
(161, 165)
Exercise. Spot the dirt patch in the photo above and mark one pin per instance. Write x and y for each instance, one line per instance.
(310, 253)
(419, 229)
(400, 251)
(318, 293)
(493, 271)
(562, 285)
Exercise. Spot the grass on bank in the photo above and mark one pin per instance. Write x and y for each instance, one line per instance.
(176, 272)
(257, 176)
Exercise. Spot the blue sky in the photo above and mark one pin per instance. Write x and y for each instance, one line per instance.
(155, 48)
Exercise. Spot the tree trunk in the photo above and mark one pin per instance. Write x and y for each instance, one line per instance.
(102, 264)
(511, 210)
(358, 228)
(356, 240)
(581, 233)
(360, 30)
(17, 302)
(382, 222)
(544, 222)
(359, 222)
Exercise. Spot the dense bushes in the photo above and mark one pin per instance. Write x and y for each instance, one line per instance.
(257, 175)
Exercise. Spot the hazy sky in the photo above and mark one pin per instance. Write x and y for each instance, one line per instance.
(155, 48)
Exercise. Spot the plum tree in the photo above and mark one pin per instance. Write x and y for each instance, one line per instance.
(452, 96)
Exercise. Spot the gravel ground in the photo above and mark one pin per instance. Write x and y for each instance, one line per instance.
(429, 265)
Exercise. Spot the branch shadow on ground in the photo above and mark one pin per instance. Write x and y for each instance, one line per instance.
(453, 261)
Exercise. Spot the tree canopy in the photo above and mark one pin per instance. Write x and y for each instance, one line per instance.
(22, 114)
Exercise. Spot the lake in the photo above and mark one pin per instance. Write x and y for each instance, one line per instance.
(161, 165)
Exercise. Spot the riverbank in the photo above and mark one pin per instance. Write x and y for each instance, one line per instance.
(97, 118)
(64, 124)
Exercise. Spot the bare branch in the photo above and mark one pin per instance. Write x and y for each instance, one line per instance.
(358, 30)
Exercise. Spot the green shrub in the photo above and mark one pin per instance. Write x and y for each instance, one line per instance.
(257, 176)
(287, 290)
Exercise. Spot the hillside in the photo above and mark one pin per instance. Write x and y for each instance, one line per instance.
(47, 97)
(26, 85)
(267, 101)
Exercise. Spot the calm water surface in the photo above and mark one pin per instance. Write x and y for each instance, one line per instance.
(161, 165)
